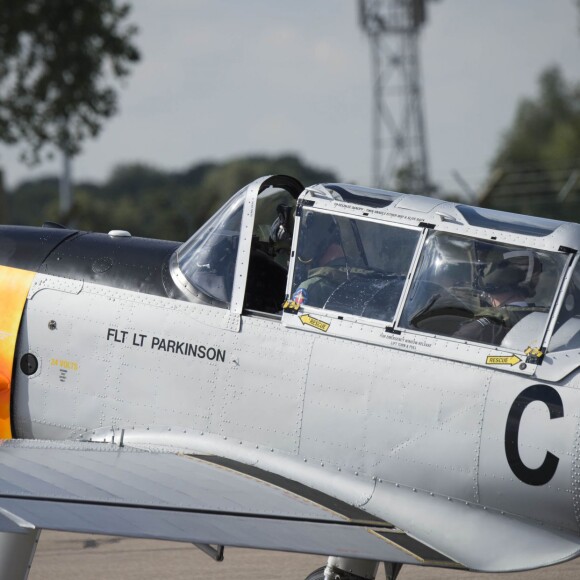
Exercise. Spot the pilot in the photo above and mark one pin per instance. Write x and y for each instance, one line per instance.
(509, 282)
(280, 236)
(321, 261)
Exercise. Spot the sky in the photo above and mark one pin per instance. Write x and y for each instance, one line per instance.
(223, 78)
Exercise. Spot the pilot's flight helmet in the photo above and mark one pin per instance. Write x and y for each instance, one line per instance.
(281, 230)
(512, 270)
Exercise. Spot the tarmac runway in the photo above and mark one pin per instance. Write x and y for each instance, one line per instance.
(64, 556)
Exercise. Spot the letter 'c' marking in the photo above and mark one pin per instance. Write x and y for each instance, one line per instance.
(551, 398)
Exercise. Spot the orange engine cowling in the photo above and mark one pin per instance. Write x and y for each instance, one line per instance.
(14, 287)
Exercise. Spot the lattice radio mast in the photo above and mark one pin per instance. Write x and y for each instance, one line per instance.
(399, 146)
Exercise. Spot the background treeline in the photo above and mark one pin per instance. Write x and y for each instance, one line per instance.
(536, 169)
(151, 202)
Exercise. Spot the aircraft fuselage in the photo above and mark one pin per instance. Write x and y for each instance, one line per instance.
(113, 357)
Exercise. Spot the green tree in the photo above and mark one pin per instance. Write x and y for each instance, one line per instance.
(537, 167)
(60, 62)
(545, 128)
(155, 203)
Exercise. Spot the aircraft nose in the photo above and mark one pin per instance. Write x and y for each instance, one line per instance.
(14, 288)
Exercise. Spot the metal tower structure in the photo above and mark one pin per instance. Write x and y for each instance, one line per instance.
(400, 157)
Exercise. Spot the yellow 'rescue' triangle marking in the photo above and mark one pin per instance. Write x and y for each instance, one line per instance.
(314, 322)
(290, 306)
(534, 351)
(503, 360)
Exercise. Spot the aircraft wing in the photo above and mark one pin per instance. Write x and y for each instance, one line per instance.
(106, 489)
(102, 488)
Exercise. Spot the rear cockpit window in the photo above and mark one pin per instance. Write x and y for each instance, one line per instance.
(351, 266)
(566, 335)
(483, 291)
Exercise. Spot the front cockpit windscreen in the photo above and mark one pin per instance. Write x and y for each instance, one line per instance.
(483, 291)
(352, 266)
(208, 258)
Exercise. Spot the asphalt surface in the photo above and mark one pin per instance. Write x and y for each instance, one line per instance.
(64, 556)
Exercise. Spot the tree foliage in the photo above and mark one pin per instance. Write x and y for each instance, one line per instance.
(537, 168)
(60, 61)
(154, 203)
(546, 128)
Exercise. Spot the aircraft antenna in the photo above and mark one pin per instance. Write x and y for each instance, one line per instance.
(399, 148)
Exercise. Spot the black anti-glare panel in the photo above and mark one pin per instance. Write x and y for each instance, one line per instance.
(27, 247)
(128, 263)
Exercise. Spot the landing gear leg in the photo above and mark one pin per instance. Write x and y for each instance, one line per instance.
(350, 569)
(392, 570)
(16, 554)
(346, 569)
(353, 569)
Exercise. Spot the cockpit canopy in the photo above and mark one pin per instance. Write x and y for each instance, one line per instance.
(409, 263)
(360, 267)
(205, 265)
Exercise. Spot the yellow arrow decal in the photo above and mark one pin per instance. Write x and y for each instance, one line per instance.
(503, 360)
(314, 322)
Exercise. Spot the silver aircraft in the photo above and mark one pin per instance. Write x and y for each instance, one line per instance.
(336, 370)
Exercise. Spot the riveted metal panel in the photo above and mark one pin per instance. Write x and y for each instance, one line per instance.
(398, 416)
(480, 538)
(555, 501)
(115, 357)
(262, 394)
(337, 403)
(106, 357)
(424, 422)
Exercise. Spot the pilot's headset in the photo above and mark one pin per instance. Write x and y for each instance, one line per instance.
(512, 270)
